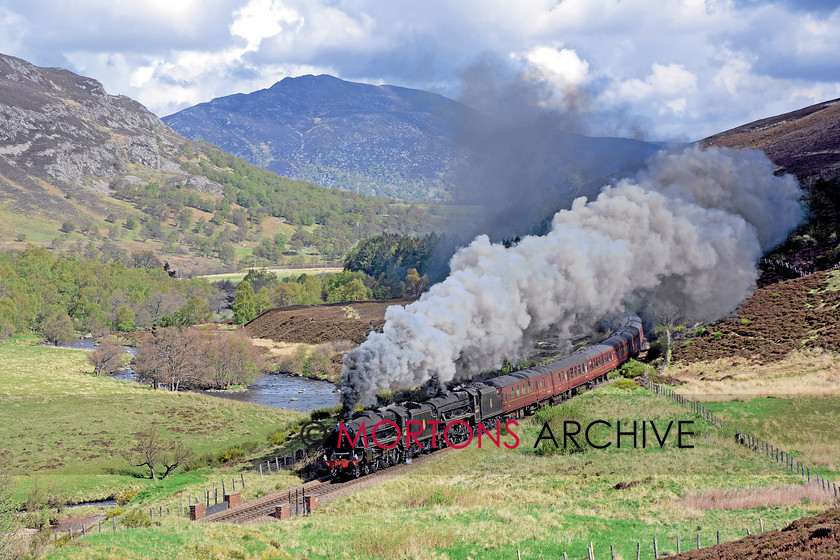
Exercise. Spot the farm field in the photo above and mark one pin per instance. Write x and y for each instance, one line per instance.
(281, 272)
(495, 503)
(808, 425)
(62, 429)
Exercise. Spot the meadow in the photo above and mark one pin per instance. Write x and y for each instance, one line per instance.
(62, 429)
(280, 272)
(495, 503)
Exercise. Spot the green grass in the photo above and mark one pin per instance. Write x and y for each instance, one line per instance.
(237, 277)
(490, 503)
(807, 425)
(62, 428)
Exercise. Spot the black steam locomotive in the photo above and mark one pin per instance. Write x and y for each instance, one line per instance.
(374, 439)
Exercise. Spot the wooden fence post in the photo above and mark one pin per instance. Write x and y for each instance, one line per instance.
(655, 548)
(242, 478)
(638, 550)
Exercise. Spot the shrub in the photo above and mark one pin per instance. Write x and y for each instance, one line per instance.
(717, 335)
(277, 437)
(745, 322)
(230, 454)
(135, 519)
(631, 369)
(323, 413)
(701, 331)
(125, 496)
(627, 384)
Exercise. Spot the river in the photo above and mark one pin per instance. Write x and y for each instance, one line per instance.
(277, 390)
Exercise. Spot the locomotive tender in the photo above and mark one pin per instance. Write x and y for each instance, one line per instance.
(407, 429)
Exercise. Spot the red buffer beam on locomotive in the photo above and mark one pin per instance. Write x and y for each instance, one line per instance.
(405, 430)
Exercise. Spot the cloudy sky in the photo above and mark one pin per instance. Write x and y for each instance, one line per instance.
(671, 69)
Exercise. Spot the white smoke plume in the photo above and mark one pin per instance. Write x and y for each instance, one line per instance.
(688, 230)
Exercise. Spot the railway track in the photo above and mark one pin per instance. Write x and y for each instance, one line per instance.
(325, 490)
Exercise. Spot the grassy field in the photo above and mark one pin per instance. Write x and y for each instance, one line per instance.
(793, 403)
(237, 277)
(808, 425)
(814, 372)
(62, 429)
(493, 503)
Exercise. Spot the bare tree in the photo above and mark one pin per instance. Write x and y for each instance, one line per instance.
(668, 318)
(229, 360)
(150, 450)
(171, 358)
(107, 357)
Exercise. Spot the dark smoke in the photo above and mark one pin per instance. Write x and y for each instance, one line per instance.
(526, 155)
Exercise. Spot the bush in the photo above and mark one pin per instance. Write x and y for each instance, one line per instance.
(631, 369)
(230, 454)
(135, 519)
(323, 413)
(745, 322)
(277, 437)
(627, 384)
(125, 496)
(717, 335)
(701, 331)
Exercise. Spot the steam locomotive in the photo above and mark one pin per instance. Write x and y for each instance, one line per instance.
(404, 430)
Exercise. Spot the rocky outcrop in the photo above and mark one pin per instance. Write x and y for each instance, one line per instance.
(63, 129)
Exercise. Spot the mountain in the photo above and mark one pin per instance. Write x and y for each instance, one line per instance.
(394, 141)
(80, 167)
(380, 140)
(805, 142)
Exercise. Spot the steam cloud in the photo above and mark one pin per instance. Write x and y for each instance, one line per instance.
(686, 231)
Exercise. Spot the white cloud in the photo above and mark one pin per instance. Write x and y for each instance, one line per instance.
(261, 19)
(690, 68)
(562, 67)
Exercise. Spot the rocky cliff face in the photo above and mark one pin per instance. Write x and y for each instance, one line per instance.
(61, 134)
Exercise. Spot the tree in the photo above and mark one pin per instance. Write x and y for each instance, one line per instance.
(144, 259)
(130, 223)
(171, 358)
(151, 450)
(58, 328)
(229, 360)
(196, 310)
(67, 227)
(262, 300)
(355, 290)
(125, 319)
(243, 303)
(668, 318)
(107, 357)
(415, 285)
